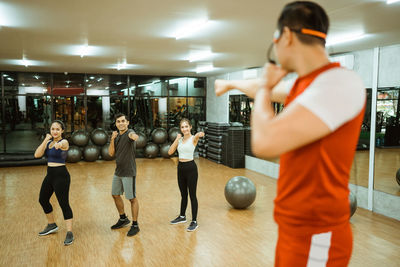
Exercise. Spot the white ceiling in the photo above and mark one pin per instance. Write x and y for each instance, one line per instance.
(50, 33)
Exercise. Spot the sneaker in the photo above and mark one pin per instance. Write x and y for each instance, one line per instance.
(69, 239)
(179, 219)
(121, 223)
(50, 228)
(134, 230)
(193, 226)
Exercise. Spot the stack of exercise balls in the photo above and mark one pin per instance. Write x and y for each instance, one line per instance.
(89, 146)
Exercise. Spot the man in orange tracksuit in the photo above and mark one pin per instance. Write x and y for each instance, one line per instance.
(315, 136)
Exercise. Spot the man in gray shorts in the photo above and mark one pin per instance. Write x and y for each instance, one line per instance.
(123, 146)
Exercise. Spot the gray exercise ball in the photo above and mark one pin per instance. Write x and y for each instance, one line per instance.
(173, 132)
(240, 192)
(353, 203)
(74, 154)
(99, 137)
(159, 135)
(142, 140)
(91, 153)
(164, 150)
(80, 138)
(104, 152)
(151, 150)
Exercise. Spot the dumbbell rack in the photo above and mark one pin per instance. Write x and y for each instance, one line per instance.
(203, 143)
(233, 148)
(214, 133)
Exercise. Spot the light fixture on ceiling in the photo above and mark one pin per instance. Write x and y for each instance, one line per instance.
(84, 50)
(25, 62)
(391, 1)
(200, 55)
(191, 28)
(36, 77)
(204, 68)
(345, 39)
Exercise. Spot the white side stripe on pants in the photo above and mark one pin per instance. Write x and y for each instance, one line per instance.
(319, 250)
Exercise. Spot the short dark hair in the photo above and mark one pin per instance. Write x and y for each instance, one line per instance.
(304, 15)
(120, 115)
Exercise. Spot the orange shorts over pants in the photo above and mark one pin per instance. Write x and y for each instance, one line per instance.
(329, 247)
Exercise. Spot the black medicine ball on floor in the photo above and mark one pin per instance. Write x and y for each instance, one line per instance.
(80, 138)
(159, 136)
(164, 150)
(104, 153)
(151, 150)
(74, 154)
(91, 153)
(173, 132)
(240, 192)
(99, 137)
(142, 141)
(353, 203)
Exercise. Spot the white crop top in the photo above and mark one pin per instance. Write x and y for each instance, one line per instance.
(186, 149)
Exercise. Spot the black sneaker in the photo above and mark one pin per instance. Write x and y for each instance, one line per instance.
(50, 228)
(193, 226)
(134, 230)
(69, 239)
(121, 223)
(179, 219)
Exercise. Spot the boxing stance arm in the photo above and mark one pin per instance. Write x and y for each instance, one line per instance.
(133, 136)
(250, 88)
(196, 138)
(174, 145)
(42, 147)
(273, 135)
(111, 148)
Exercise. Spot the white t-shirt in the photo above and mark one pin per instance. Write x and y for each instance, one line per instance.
(335, 96)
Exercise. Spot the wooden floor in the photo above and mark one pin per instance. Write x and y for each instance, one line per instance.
(387, 162)
(225, 237)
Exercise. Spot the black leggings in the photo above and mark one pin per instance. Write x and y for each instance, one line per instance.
(57, 180)
(187, 178)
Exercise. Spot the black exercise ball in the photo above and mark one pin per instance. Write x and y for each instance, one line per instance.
(99, 137)
(151, 150)
(353, 203)
(91, 153)
(80, 138)
(240, 192)
(159, 135)
(173, 132)
(164, 150)
(398, 176)
(142, 141)
(74, 154)
(104, 153)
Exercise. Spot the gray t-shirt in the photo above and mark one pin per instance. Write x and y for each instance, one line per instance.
(125, 155)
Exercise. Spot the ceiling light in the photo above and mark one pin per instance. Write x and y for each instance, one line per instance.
(345, 39)
(391, 1)
(204, 68)
(91, 77)
(84, 50)
(25, 62)
(68, 81)
(191, 28)
(10, 79)
(200, 55)
(118, 83)
(36, 77)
